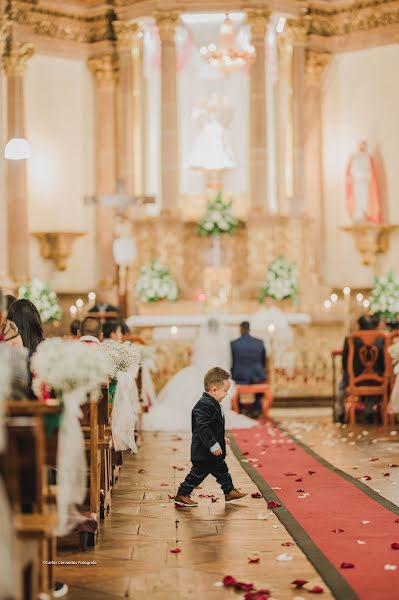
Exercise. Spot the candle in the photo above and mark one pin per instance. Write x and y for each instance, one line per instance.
(334, 298)
(72, 311)
(347, 310)
(359, 298)
(91, 296)
(327, 304)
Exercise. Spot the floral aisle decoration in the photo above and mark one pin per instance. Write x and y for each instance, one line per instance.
(44, 298)
(281, 281)
(384, 297)
(72, 369)
(148, 366)
(155, 282)
(126, 361)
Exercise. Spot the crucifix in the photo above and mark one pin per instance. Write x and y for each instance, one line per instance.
(124, 247)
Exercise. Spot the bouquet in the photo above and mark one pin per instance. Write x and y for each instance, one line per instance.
(43, 298)
(122, 357)
(384, 298)
(218, 218)
(281, 281)
(155, 282)
(69, 365)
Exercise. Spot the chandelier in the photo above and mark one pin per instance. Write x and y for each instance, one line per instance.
(226, 56)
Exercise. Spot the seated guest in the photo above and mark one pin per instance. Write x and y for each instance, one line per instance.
(8, 330)
(112, 330)
(91, 331)
(102, 305)
(9, 300)
(74, 327)
(365, 323)
(27, 318)
(248, 362)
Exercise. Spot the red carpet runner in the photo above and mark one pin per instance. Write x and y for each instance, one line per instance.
(335, 502)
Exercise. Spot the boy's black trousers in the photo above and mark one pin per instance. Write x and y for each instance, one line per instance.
(201, 469)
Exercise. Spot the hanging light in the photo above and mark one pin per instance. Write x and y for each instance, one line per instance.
(225, 56)
(17, 149)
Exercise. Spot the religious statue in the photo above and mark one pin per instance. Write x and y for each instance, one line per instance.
(362, 194)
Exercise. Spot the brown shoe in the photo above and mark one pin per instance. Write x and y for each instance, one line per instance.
(234, 495)
(185, 501)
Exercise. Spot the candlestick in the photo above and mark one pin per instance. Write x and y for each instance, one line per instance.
(347, 310)
(72, 311)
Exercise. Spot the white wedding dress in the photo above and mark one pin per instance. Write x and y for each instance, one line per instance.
(177, 399)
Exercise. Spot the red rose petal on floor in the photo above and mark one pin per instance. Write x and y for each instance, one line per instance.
(386, 474)
(311, 472)
(141, 471)
(171, 497)
(299, 583)
(290, 474)
(164, 484)
(245, 587)
(374, 459)
(298, 480)
(199, 487)
(301, 491)
(366, 477)
(337, 530)
(288, 544)
(229, 580)
(291, 449)
(253, 560)
(393, 465)
(273, 505)
(316, 590)
(214, 499)
(259, 595)
(347, 565)
(176, 550)
(395, 546)
(256, 495)
(396, 520)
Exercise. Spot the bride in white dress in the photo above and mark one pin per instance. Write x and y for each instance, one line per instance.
(172, 412)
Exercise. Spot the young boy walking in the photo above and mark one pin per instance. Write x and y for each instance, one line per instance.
(208, 444)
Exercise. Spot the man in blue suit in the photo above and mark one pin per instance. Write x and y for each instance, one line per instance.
(248, 362)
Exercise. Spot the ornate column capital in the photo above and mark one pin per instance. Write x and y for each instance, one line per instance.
(104, 69)
(16, 57)
(297, 30)
(167, 21)
(316, 63)
(258, 20)
(126, 33)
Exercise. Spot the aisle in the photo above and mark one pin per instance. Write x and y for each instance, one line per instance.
(348, 530)
(133, 558)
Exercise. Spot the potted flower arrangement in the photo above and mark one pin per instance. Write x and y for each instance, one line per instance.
(384, 297)
(155, 282)
(281, 281)
(218, 220)
(44, 298)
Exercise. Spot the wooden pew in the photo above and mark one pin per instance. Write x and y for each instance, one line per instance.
(23, 473)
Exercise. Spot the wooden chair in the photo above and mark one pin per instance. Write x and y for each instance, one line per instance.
(368, 383)
(254, 388)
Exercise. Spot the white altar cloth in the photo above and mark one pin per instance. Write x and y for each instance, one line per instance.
(195, 320)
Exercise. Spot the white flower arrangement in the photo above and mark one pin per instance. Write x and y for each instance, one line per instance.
(44, 298)
(281, 281)
(147, 353)
(69, 365)
(218, 218)
(123, 357)
(155, 283)
(384, 297)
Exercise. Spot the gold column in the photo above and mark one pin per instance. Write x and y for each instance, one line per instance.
(298, 33)
(138, 114)
(14, 63)
(284, 125)
(316, 62)
(126, 34)
(167, 23)
(104, 69)
(258, 21)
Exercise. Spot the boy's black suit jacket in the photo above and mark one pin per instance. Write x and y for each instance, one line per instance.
(208, 428)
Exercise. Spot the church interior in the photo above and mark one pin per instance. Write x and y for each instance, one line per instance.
(176, 175)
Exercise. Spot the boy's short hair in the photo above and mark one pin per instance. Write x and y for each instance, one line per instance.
(215, 377)
(91, 326)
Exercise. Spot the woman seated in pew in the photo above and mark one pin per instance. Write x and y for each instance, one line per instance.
(365, 323)
(8, 329)
(112, 330)
(27, 318)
